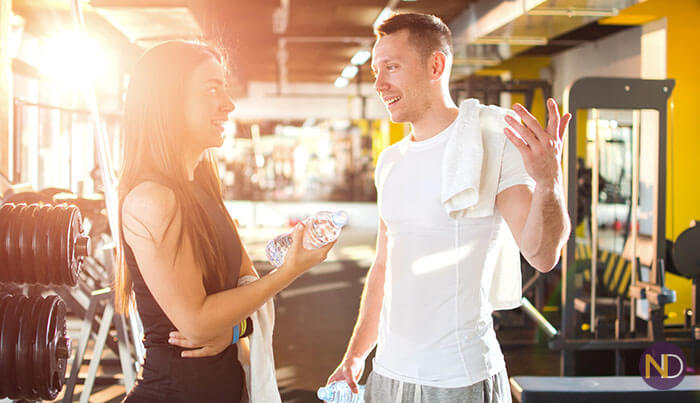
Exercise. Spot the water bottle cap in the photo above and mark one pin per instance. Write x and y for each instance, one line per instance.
(324, 393)
(340, 218)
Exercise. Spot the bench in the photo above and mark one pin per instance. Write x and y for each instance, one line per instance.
(600, 389)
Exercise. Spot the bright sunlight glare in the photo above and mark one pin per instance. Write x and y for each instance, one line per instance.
(72, 60)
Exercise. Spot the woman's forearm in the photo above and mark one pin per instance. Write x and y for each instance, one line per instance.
(221, 311)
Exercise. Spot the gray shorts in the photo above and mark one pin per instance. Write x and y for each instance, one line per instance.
(380, 389)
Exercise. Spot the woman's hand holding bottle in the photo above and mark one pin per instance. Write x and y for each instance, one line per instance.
(298, 259)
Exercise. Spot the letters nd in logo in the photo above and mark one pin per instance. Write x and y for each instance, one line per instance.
(662, 365)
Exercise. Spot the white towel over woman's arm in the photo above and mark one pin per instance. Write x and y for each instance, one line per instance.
(256, 356)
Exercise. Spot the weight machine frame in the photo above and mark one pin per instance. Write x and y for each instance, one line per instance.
(611, 93)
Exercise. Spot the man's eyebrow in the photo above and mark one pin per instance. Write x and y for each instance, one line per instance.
(384, 60)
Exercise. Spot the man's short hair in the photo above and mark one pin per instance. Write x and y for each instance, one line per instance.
(427, 32)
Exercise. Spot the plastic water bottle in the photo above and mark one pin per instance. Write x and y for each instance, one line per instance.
(340, 392)
(320, 229)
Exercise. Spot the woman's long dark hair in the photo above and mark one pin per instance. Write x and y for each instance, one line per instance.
(152, 147)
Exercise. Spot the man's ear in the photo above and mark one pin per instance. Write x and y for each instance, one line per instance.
(438, 62)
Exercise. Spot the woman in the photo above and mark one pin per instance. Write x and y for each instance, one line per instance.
(180, 252)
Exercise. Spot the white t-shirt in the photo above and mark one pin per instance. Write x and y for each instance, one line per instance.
(435, 326)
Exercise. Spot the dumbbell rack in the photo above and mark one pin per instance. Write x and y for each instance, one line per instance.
(45, 245)
(39, 244)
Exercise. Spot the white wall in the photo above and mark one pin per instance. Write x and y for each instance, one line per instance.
(653, 66)
(618, 55)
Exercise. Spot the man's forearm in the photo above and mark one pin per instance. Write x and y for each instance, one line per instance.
(364, 335)
(547, 226)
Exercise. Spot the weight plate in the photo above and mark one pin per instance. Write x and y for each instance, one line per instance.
(53, 246)
(25, 244)
(40, 360)
(55, 371)
(12, 242)
(59, 332)
(8, 341)
(40, 246)
(4, 304)
(43, 379)
(65, 235)
(74, 231)
(24, 351)
(5, 220)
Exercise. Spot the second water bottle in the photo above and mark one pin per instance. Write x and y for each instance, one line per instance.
(322, 228)
(340, 392)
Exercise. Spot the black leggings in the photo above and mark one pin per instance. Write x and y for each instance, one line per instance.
(167, 377)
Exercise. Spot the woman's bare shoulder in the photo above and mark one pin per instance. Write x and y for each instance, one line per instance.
(149, 209)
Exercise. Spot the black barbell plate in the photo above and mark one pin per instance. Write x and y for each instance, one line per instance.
(5, 219)
(8, 340)
(53, 369)
(43, 377)
(25, 244)
(54, 246)
(65, 231)
(20, 364)
(65, 245)
(74, 232)
(40, 356)
(60, 228)
(40, 246)
(4, 300)
(32, 233)
(37, 348)
(60, 335)
(24, 351)
(12, 242)
(36, 231)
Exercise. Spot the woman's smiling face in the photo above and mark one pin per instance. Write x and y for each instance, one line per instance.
(207, 105)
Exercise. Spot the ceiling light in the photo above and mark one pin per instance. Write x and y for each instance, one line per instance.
(476, 61)
(386, 13)
(512, 40)
(574, 12)
(349, 72)
(360, 57)
(341, 82)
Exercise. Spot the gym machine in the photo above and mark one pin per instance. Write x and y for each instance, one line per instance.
(628, 94)
(572, 341)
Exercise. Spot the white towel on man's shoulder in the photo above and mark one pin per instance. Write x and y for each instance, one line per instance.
(256, 356)
(470, 172)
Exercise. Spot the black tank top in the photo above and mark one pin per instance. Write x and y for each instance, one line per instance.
(156, 324)
(167, 377)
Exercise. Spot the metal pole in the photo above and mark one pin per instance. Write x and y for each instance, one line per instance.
(634, 221)
(594, 217)
(111, 200)
(537, 317)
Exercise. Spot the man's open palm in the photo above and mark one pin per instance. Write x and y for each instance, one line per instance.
(541, 148)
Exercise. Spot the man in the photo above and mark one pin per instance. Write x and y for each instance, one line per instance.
(425, 300)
